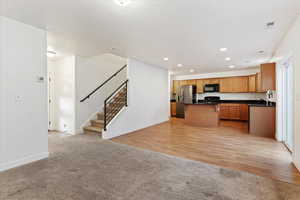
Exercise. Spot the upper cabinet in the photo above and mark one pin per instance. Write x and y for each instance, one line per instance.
(226, 85)
(183, 82)
(234, 84)
(252, 83)
(178, 83)
(260, 82)
(175, 87)
(211, 81)
(268, 76)
(240, 84)
(200, 85)
(191, 82)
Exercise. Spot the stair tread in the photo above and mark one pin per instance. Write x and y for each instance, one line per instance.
(93, 129)
(97, 120)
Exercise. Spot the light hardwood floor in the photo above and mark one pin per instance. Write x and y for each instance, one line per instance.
(228, 146)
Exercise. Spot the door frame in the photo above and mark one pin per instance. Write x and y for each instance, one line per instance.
(287, 102)
(50, 95)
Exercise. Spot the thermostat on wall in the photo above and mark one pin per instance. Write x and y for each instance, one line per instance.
(40, 79)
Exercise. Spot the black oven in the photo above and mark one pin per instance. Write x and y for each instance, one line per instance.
(212, 88)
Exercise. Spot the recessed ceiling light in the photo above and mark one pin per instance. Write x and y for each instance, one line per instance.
(223, 49)
(227, 59)
(166, 59)
(179, 65)
(192, 70)
(51, 54)
(123, 2)
(231, 66)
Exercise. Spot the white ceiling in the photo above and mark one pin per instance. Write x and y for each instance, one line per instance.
(189, 32)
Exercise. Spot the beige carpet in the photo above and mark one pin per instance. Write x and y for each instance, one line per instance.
(87, 168)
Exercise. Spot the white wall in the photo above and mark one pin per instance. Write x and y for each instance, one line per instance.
(24, 136)
(148, 100)
(90, 73)
(62, 94)
(291, 46)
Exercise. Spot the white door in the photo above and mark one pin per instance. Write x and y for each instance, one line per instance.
(288, 104)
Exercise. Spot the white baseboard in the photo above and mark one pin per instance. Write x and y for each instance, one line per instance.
(23, 161)
(109, 135)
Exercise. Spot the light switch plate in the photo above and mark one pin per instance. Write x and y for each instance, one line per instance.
(18, 98)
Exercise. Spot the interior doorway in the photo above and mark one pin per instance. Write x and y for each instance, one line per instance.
(61, 95)
(288, 104)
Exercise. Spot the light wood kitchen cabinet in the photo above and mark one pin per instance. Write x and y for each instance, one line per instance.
(225, 85)
(252, 83)
(173, 109)
(211, 81)
(175, 86)
(191, 82)
(229, 111)
(214, 81)
(200, 85)
(262, 121)
(239, 84)
(233, 111)
(244, 112)
(258, 83)
(183, 82)
(206, 81)
(268, 76)
(234, 84)
(187, 82)
(224, 111)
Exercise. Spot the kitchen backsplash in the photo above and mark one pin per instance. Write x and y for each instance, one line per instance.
(234, 96)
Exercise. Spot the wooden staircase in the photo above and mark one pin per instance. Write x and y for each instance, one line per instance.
(112, 106)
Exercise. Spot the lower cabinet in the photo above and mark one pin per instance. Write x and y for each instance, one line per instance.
(244, 110)
(262, 121)
(233, 111)
(173, 109)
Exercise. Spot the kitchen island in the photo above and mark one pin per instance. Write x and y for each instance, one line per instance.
(202, 114)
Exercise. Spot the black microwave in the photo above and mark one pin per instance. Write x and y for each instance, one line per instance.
(211, 88)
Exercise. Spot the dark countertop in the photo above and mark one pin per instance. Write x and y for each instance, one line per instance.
(254, 103)
(271, 104)
(202, 103)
